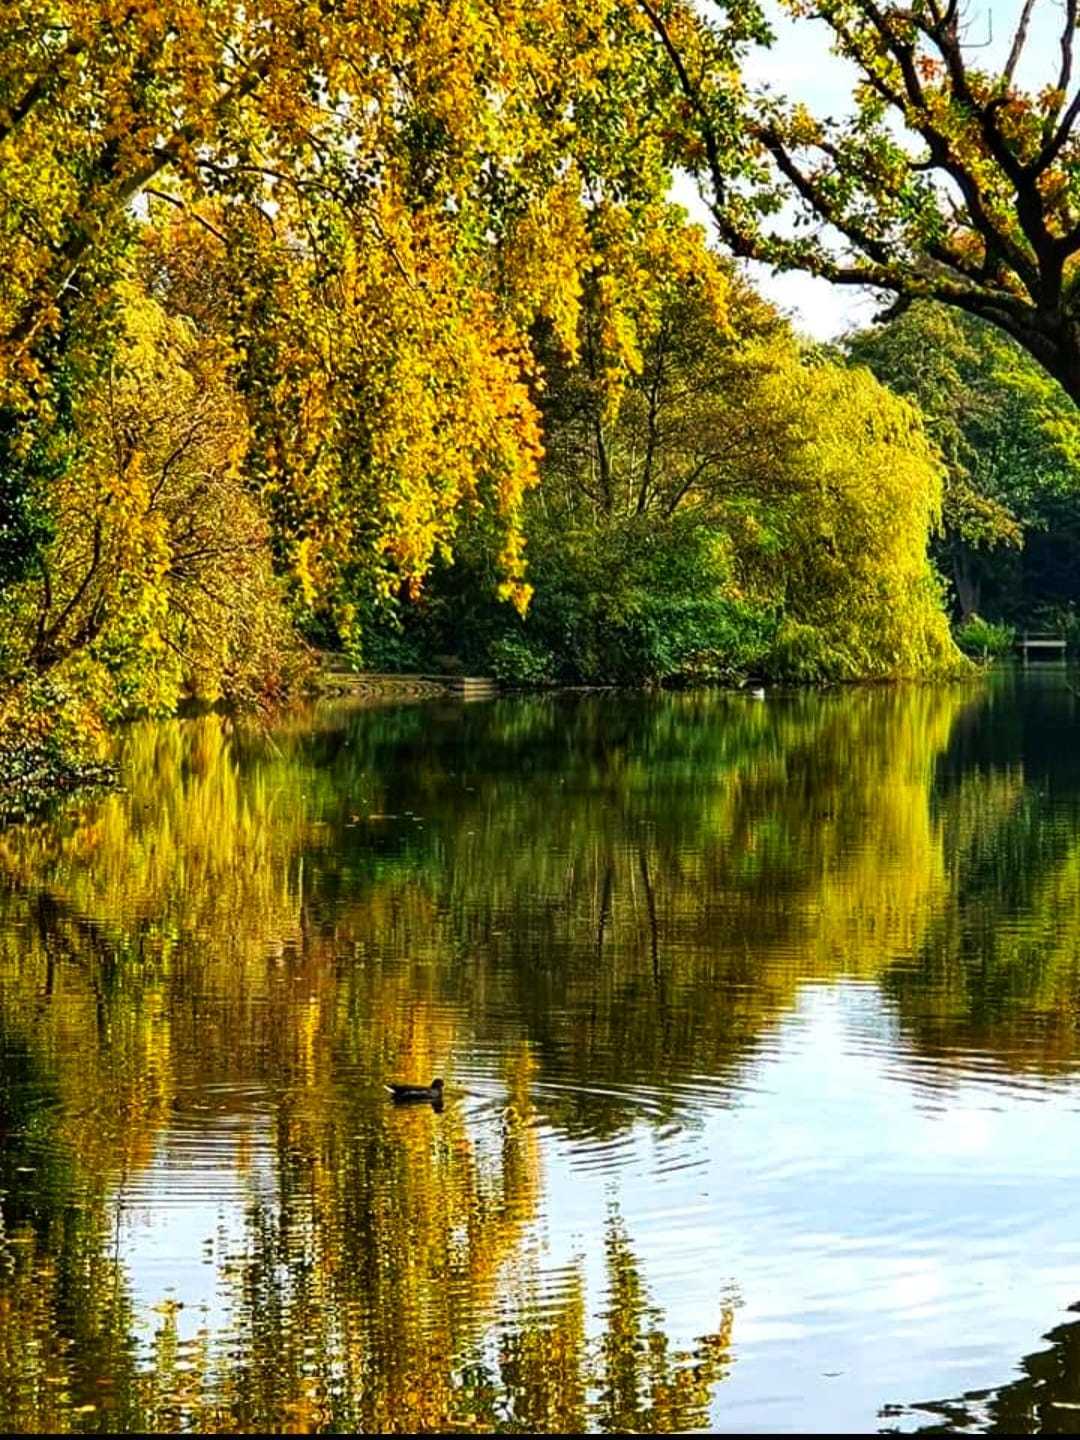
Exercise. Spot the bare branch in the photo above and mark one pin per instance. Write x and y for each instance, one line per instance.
(1018, 42)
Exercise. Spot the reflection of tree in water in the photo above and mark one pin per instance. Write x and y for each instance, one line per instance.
(644, 1388)
(635, 887)
(646, 884)
(555, 1374)
(363, 1291)
(998, 972)
(634, 892)
(360, 1299)
(1044, 1400)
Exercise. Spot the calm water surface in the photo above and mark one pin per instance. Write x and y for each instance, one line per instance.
(759, 1028)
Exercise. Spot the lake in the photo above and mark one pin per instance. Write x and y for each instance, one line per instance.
(758, 1023)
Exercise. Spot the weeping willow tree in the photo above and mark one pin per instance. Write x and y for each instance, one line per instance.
(715, 499)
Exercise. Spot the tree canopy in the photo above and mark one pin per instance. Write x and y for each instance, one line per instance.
(726, 501)
(396, 193)
(301, 303)
(1010, 439)
(947, 180)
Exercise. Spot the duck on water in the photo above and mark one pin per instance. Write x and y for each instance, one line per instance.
(417, 1094)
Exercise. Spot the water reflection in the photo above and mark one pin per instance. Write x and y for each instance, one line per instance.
(759, 1030)
(1043, 1400)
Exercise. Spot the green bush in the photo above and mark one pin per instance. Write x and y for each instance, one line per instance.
(389, 649)
(520, 659)
(631, 604)
(984, 639)
(641, 600)
(802, 654)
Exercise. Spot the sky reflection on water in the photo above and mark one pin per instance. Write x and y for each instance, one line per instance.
(759, 1031)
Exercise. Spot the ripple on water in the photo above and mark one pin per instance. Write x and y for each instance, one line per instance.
(759, 1039)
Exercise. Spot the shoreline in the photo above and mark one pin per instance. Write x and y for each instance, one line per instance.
(31, 784)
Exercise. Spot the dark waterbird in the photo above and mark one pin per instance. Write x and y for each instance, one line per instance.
(417, 1094)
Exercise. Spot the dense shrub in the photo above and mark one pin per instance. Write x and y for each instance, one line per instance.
(633, 604)
(983, 638)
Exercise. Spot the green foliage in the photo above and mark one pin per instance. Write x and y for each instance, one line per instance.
(386, 646)
(983, 639)
(24, 521)
(522, 658)
(787, 503)
(1010, 439)
(633, 603)
(729, 506)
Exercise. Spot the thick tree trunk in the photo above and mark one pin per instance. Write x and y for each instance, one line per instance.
(1051, 339)
(967, 583)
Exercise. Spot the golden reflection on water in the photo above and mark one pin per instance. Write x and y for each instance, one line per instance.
(591, 915)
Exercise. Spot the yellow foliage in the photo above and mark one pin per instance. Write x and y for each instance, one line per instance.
(386, 197)
(862, 486)
(200, 955)
(158, 581)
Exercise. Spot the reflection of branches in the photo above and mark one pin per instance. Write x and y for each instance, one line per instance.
(1043, 1401)
(645, 1387)
(556, 1377)
(650, 904)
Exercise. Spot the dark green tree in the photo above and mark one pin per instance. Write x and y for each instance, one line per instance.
(1010, 438)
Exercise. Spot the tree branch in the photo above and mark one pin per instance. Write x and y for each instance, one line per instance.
(45, 649)
(1019, 40)
(1068, 36)
(82, 239)
(652, 421)
(692, 94)
(13, 117)
(1053, 147)
(183, 205)
(815, 196)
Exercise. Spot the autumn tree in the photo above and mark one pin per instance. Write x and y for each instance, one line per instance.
(655, 414)
(158, 579)
(716, 500)
(948, 181)
(419, 172)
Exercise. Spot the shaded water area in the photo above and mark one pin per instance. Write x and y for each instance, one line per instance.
(759, 1029)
